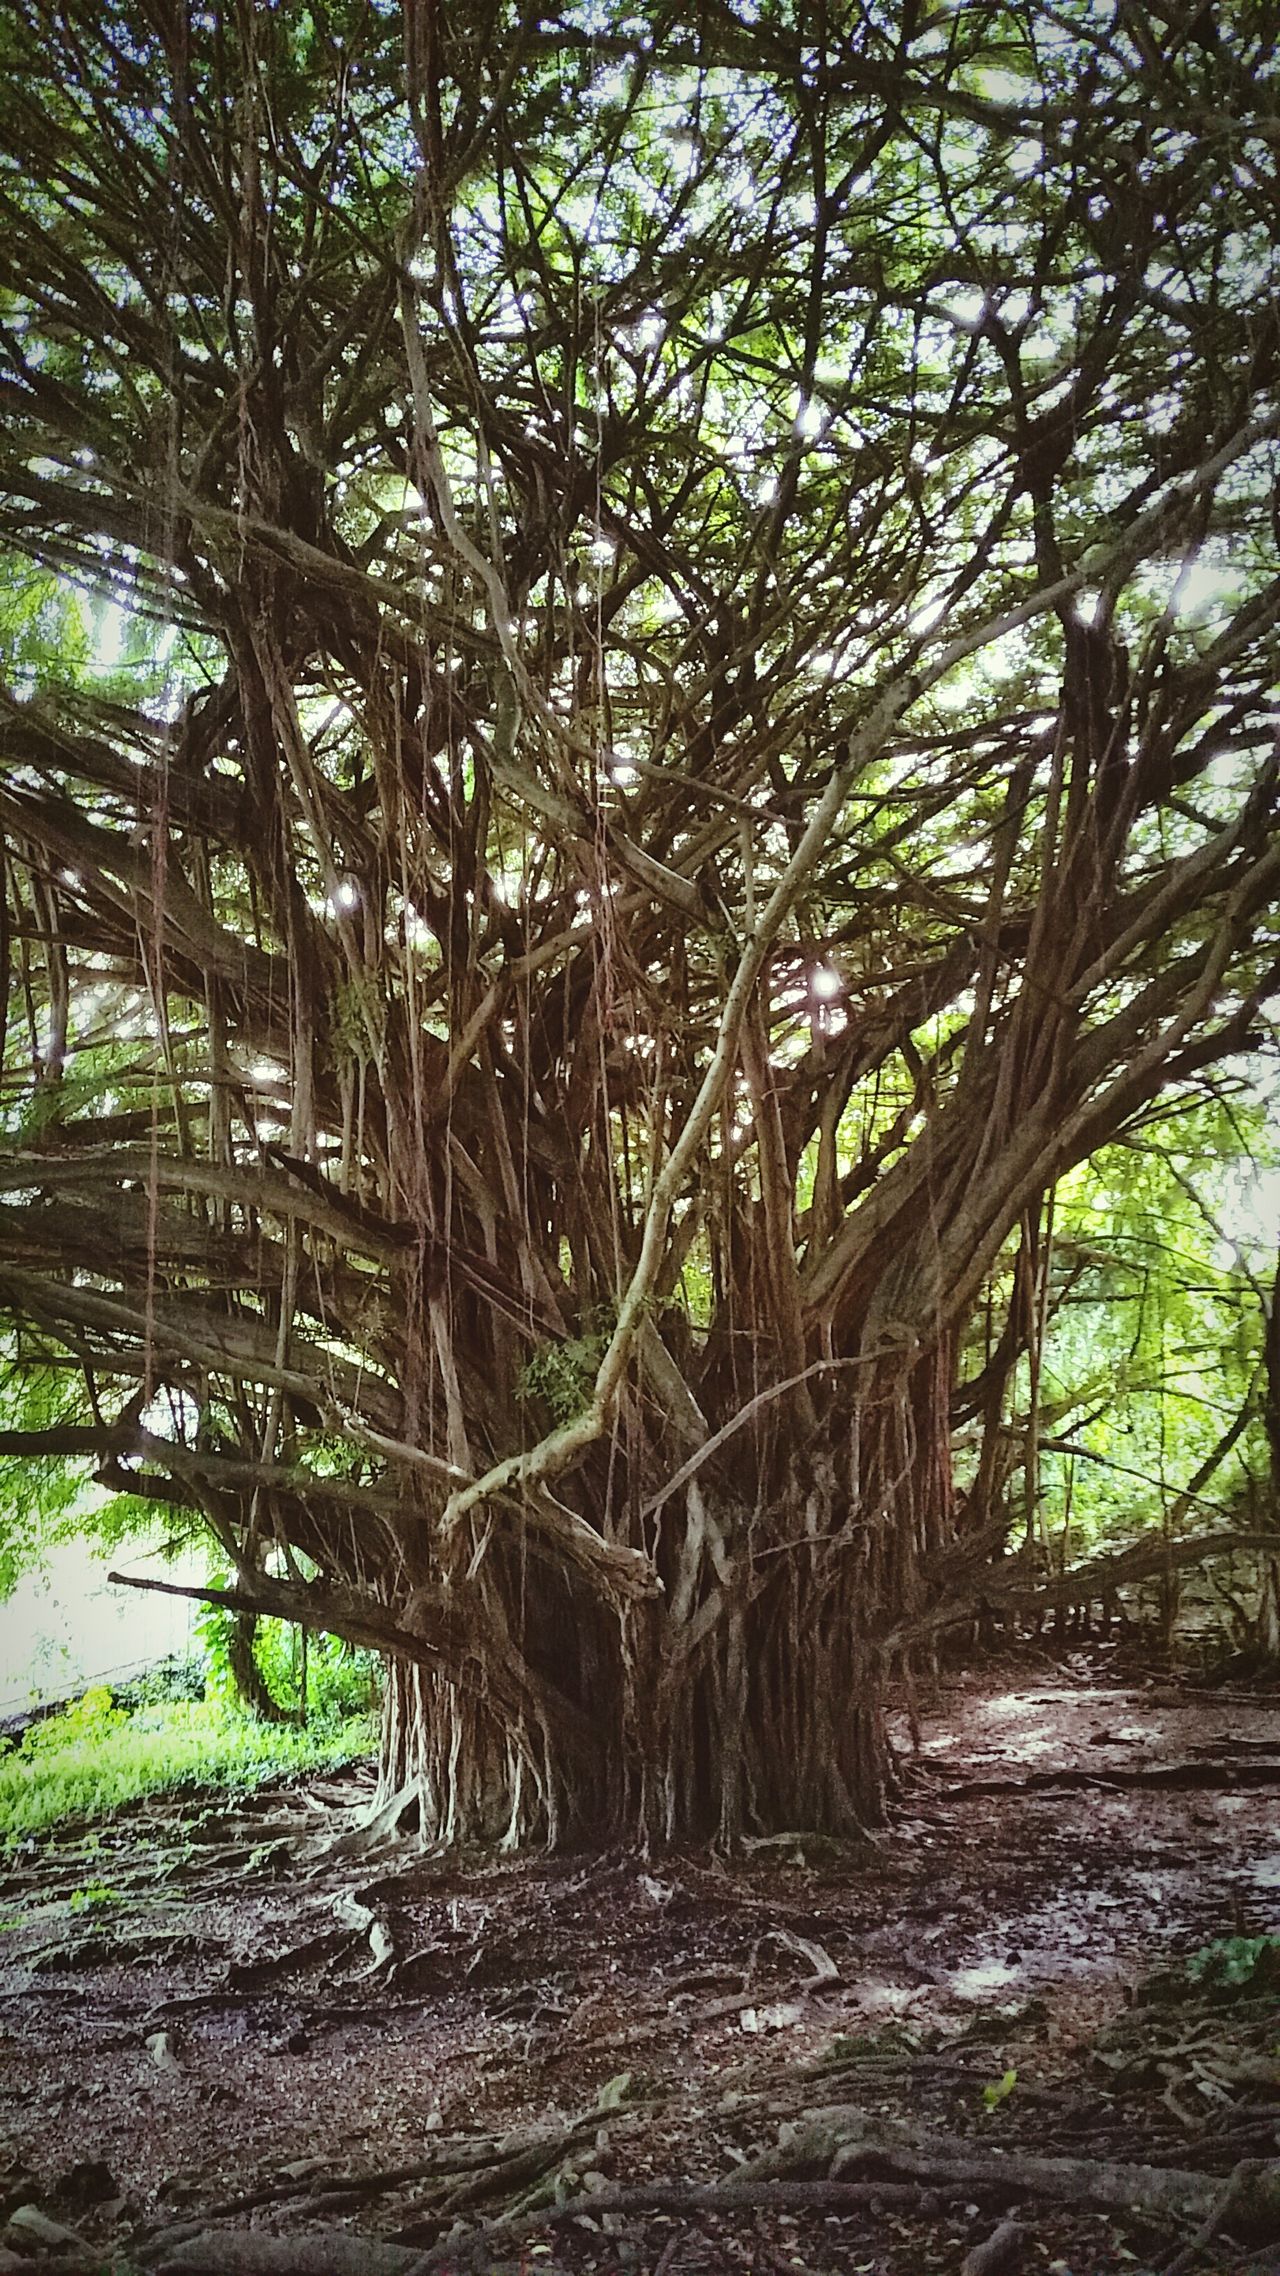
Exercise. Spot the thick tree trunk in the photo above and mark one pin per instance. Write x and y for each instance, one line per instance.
(566, 1010)
(467, 1775)
(749, 1698)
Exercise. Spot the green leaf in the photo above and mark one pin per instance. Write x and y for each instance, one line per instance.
(1233, 1960)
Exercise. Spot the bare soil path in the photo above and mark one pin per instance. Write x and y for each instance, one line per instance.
(226, 2045)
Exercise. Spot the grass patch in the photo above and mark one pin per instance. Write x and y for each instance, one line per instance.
(95, 1893)
(95, 1757)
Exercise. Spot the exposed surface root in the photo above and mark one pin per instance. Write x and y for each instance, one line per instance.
(1051, 2013)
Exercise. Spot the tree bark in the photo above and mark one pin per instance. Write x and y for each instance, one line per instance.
(531, 1020)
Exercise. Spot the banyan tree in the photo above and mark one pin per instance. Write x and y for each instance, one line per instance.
(640, 698)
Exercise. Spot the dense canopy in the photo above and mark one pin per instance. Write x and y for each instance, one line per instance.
(641, 702)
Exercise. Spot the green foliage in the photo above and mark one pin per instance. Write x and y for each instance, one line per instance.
(93, 1759)
(161, 1685)
(90, 1721)
(41, 1498)
(342, 1680)
(93, 1896)
(999, 2090)
(48, 1499)
(561, 1374)
(1155, 1325)
(1236, 1963)
(42, 622)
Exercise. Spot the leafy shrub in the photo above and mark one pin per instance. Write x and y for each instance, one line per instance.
(160, 1686)
(562, 1374)
(86, 1721)
(1237, 1963)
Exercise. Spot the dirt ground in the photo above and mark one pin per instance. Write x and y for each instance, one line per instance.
(217, 2029)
